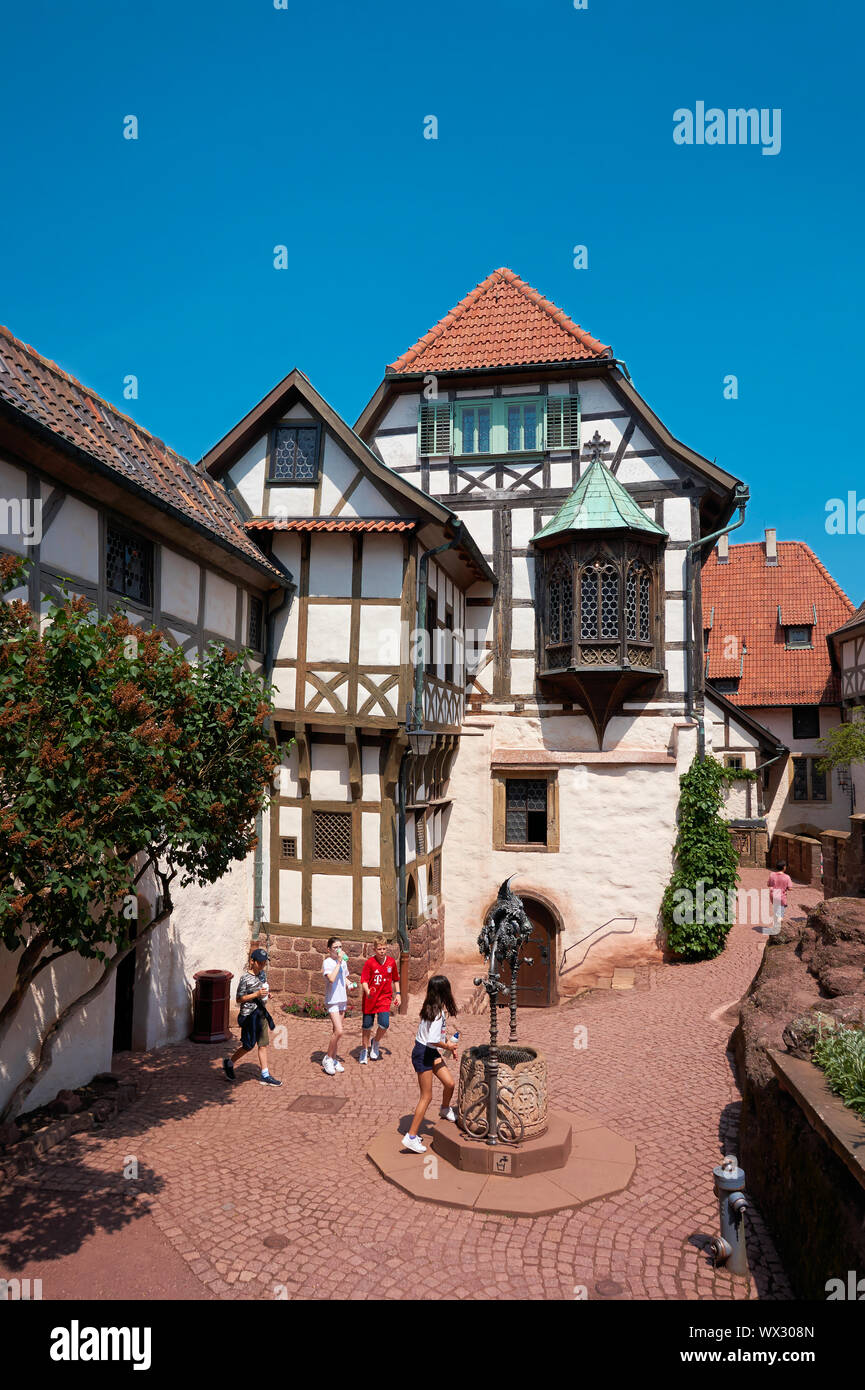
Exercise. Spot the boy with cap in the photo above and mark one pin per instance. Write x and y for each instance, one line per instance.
(254, 1020)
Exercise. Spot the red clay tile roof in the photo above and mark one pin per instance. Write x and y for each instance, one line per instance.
(326, 523)
(746, 594)
(855, 621)
(503, 322)
(42, 392)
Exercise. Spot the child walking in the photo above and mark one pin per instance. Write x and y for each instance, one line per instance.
(379, 981)
(335, 971)
(429, 1041)
(255, 1022)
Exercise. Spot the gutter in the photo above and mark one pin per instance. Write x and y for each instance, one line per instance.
(740, 499)
(287, 594)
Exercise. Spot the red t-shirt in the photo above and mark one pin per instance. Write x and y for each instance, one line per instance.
(380, 979)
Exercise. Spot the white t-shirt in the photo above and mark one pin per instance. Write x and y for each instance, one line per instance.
(336, 992)
(431, 1033)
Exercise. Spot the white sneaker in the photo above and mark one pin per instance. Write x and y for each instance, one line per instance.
(414, 1144)
(337, 1066)
(363, 1057)
(447, 1113)
(374, 1055)
(328, 1066)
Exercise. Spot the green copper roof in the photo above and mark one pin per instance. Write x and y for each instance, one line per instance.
(599, 503)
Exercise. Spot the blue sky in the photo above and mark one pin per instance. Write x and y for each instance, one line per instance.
(304, 127)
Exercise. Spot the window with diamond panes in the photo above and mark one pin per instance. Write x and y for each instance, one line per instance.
(526, 812)
(294, 454)
(331, 836)
(560, 605)
(637, 602)
(128, 566)
(256, 624)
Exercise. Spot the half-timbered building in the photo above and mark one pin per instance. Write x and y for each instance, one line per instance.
(847, 653)
(586, 703)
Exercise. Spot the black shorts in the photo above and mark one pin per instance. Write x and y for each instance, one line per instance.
(424, 1058)
(254, 1030)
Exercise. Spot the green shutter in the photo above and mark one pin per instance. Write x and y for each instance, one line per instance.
(563, 422)
(434, 428)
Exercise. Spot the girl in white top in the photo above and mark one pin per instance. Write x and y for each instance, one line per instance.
(430, 1039)
(335, 971)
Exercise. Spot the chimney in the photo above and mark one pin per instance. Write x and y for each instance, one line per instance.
(771, 546)
(723, 550)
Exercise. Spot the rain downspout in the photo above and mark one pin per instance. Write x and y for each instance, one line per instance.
(415, 714)
(741, 498)
(288, 593)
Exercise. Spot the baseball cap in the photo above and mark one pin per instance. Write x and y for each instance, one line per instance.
(259, 956)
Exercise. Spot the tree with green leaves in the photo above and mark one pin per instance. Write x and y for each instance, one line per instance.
(843, 746)
(699, 903)
(122, 767)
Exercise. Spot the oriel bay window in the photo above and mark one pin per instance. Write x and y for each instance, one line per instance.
(606, 601)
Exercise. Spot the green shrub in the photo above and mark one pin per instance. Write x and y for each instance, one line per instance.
(840, 1053)
(699, 903)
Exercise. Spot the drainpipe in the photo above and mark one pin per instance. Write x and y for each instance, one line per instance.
(741, 499)
(288, 592)
(415, 714)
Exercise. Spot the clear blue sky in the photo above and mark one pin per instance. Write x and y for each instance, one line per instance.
(303, 127)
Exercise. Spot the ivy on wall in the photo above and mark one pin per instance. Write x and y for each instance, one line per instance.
(699, 903)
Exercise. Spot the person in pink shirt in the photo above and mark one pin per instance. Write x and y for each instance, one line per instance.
(780, 883)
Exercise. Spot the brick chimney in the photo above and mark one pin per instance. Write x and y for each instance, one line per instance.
(771, 546)
(723, 550)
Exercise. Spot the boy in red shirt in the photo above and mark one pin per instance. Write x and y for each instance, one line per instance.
(379, 982)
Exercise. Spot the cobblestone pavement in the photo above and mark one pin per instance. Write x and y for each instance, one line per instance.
(242, 1193)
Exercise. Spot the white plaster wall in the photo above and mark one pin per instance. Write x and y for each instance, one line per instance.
(82, 1048)
(371, 839)
(398, 450)
(677, 518)
(208, 930)
(284, 686)
(330, 559)
(367, 500)
(328, 632)
(290, 823)
(337, 474)
(71, 543)
(640, 470)
(674, 569)
(331, 901)
(371, 904)
(248, 475)
(379, 635)
(329, 780)
(382, 570)
(13, 488)
(180, 586)
(522, 527)
(371, 788)
(523, 576)
(290, 897)
(220, 605)
(603, 809)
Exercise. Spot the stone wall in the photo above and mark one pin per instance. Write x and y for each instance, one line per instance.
(809, 1197)
(844, 860)
(427, 948)
(803, 856)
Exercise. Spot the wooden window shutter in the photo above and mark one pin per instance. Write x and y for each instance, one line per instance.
(563, 422)
(434, 428)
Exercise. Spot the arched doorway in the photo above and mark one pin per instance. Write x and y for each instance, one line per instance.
(536, 982)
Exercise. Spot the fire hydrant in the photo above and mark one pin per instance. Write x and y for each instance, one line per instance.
(729, 1248)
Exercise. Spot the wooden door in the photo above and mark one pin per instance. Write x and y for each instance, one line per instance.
(534, 982)
(124, 1000)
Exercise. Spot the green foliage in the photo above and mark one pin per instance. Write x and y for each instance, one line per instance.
(843, 745)
(739, 774)
(116, 756)
(840, 1053)
(706, 867)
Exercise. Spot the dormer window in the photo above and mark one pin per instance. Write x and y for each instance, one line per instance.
(293, 456)
(798, 635)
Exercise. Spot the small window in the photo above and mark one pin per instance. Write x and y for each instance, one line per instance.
(420, 833)
(809, 783)
(806, 721)
(256, 624)
(435, 875)
(733, 760)
(526, 812)
(798, 636)
(727, 685)
(431, 662)
(331, 836)
(287, 847)
(294, 454)
(129, 566)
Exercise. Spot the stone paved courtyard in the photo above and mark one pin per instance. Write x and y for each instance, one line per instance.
(242, 1195)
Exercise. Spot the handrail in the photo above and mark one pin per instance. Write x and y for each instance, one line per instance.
(574, 944)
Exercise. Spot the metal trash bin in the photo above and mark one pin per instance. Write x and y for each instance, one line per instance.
(210, 1006)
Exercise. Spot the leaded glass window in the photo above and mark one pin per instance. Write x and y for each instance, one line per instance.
(800, 779)
(560, 605)
(128, 566)
(526, 811)
(256, 624)
(637, 603)
(294, 458)
(476, 429)
(599, 601)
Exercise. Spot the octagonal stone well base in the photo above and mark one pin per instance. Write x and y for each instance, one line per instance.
(599, 1163)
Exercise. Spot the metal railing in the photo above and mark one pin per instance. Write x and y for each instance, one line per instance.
(594, 932)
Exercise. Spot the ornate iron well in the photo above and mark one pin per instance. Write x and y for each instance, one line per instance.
(503, 1090)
